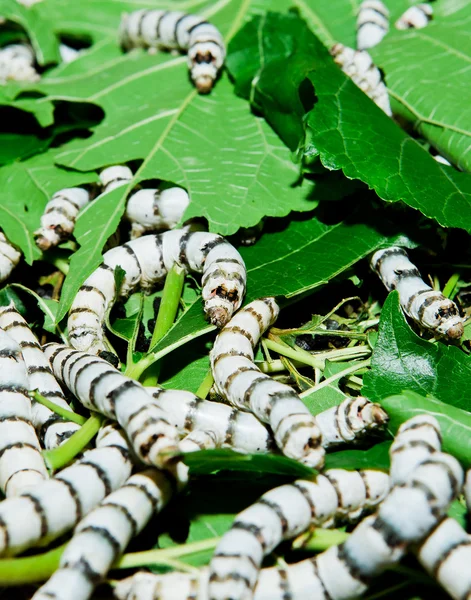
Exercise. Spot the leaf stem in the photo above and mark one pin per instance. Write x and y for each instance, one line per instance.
(61, 456)
(29, 569)
(317, 361)
(450, 286)
(69, 415)
(355, 367)
(205, 385)
(321, 539)
(62, 264)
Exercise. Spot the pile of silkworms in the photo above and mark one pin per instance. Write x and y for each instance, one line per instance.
(134, 467)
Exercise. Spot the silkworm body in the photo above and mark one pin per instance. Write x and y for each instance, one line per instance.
(21, 464)
(67, 53)
(241, 382)
(372, 23)
(359, 66)
(151, 209)
(416, 440)
(17, 63)
(420, 302)
(283, 513)
(146, 261)
(115, 176)
(60, 214)
(198, 439)
(53, 507)
(101, 387)
(233, 428)
(175, 30)
(9, 257)
(103, 534)
(350, 421)
(415, 17)
(441, 159)
(446, 555)
(51, 429)
(171, 586)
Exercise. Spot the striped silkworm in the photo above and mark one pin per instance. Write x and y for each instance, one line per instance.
(115, 176)
(51, 429)
(146, 261)
(9, 257)
(198, 439)
(415, 17)
(283, 513)
(101, 387)
(359, 66)
(103, 534)
(152, 209)
(446, 555)
(17, 63)
(174, 30)
(233, 428)
(21, 464)
(240, 381)
(350, 421)
(372, 23)
(60, 214)
(342, 572)
(53, 507)
(424, 305)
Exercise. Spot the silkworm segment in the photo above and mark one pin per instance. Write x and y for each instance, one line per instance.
(372, 23)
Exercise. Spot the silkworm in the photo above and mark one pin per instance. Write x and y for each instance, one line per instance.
(283, 513)
(53, 507)
(233, 428)
(103, 534)
(9, 257)
(60, 214)
(241, 382)
(343, 571)
(198, 439)
(153, 209)
(372, 23)
(350, 421)
(427, 307)
(446, 555)
(67, 53)
(17, 63)
(146, 261)
(51, 429)
(441, 159)
(415, 17)
(21, 464)
(359, 66)
(416, 440)
(174, 30)
(101, 387)
(115, 176)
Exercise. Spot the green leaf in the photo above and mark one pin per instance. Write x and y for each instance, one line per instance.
(401, 360)
(186, 368)
(376, 457)
(415, 62)
(455, 424)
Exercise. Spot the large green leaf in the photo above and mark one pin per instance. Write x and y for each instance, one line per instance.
(401, 360)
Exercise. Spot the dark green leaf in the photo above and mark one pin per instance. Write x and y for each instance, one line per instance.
(376, 457)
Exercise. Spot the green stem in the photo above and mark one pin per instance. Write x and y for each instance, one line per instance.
(355, 367)
(152, 557)
(450, 286)
(205, 385)
(29, 569)
(68, 415)
(61, 456)
(322, 539)
(307, 359)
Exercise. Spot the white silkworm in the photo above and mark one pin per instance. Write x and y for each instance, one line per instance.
(359, 66)
(467, 490)
(198, 439)
(17, 63)
(372, 23)
(9, 257)
(51, 429)
(102, 535)
(415, 17)
(350, 421)
(441, 159)
(146, 261)
(233, 428)
(446, 555)
(241, 382)
(21, 463)
(60, 214)
(174, 30)
(101, 387)
(53, 507)
(151, 209)
(115, 176)
(342, 572)
(283, 513)
(427, 307)
(67, 53)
